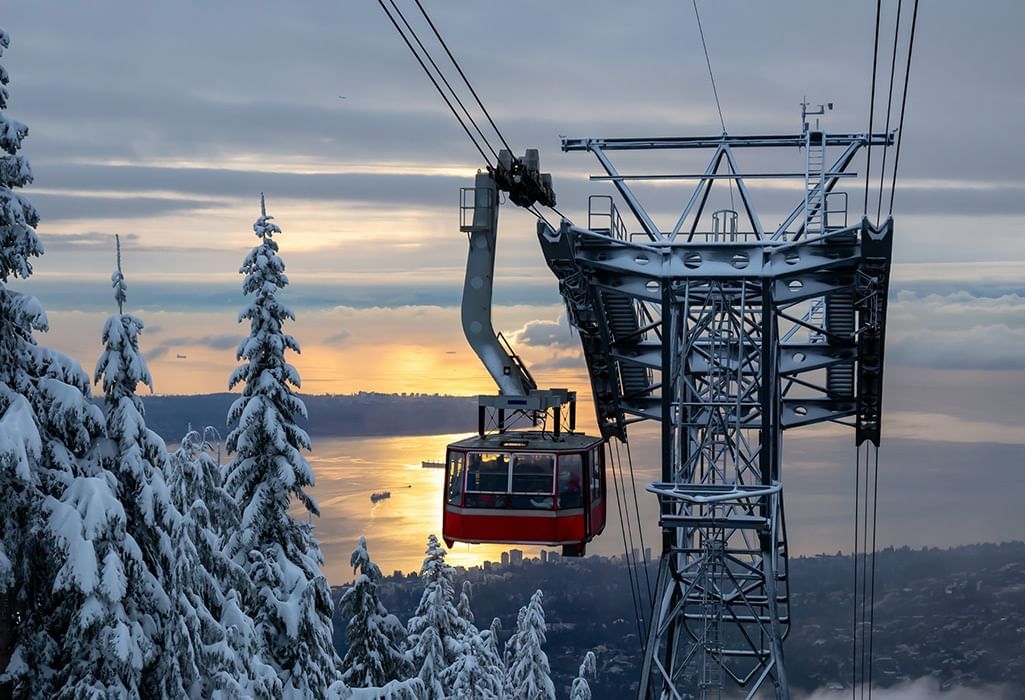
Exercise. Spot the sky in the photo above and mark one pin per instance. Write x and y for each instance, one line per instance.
(163, 122)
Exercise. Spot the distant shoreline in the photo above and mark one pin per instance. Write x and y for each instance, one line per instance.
(330, 415)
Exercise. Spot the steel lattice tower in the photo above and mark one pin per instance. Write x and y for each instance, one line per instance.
(727, 338)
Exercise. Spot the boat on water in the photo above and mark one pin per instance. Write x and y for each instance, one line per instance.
(432, 464)
(380, 496)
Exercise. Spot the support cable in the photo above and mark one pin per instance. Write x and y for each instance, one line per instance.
(864, 573)
(903, 104)
(872, 593)
(441, 74)
(640, 530)
(476, 96)
(626, 555)
(889, 105)
(708, 63)
(631, 559)
(854, 596)
(872, 105)
(715, 91)
(434, 81)
(463, 75)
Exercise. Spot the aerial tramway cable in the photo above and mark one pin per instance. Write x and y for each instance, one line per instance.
(640, 530)
(634, 591)
(889, 105)
(465, 80)
(872, 103)
(434, 81)
(854, 597)
(872, 594)
(871, 453)
(903, 103)
(463, 75)
(441, 75)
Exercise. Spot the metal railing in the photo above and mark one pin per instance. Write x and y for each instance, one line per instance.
(609, 216)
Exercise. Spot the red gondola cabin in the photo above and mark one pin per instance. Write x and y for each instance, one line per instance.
(525, 488)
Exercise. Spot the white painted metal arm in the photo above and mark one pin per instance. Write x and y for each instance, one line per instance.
(505, 367)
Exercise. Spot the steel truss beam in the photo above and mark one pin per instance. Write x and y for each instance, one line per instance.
(727, 341)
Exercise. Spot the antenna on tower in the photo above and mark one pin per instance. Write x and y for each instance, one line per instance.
(805, 113)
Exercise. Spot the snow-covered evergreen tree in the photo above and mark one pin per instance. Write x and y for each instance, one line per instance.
(529, 673)
(474, 675)
(118, 640)
(477, 671)
(491, 638)
(47, 426)
(18, 218)
(588, 667)
(376, 638)
(214, 639)
(436, 627)
(463, 607)
(410, 689)
(291, 603)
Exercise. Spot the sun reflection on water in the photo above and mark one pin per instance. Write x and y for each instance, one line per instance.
(349, 470)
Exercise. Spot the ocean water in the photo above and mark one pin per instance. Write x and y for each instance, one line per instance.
(349, 470)
(921, 485)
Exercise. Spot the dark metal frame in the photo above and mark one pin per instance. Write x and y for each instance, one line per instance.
(727, 341)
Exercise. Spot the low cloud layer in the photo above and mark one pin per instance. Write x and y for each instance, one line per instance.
(921, 689)
(958, 330)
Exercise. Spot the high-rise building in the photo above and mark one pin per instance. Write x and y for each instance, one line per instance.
(516, 557)
(544, 556)
(505, 558)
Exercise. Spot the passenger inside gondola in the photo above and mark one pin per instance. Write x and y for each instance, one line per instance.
(533, 476)
(487, 480)
(571, 469)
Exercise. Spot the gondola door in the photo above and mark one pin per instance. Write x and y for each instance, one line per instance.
(596, 492)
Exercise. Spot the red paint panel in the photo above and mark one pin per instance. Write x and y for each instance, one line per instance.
(511, 529)
(597, 517)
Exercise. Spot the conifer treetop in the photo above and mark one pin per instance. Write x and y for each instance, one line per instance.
(122, 367)
(118, 280)
(18, 217)
(263, 228)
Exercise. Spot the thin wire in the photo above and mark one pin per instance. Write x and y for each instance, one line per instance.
(708, 62)
(872, 105)
(640, 530)
(854, 596)
(631, 559)
(443, 78)
(903, 104)
(461, 73)
(622, 529)
(533, 210)
(872, 595)
(436, 85)
(715, 91)
(864, 574)
(889, 104)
